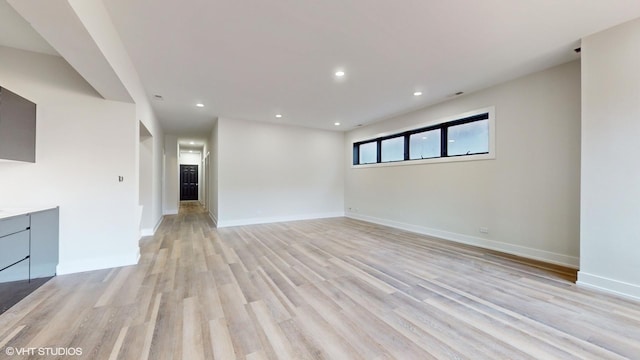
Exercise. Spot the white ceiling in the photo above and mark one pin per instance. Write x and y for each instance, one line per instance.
(16, 32)
(254, 59)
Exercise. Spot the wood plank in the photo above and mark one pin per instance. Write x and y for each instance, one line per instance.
(221, 339)
(274, 333)
(192, 343)
(118, 345)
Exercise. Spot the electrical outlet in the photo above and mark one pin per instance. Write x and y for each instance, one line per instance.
(484, 230)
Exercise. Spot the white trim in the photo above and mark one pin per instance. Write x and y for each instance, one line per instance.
(155, 228)
(170, 212)
(140, 209)
(491, 110)
(475, 157)
(214, 219)
(275, 219)
(535, 254)
(151, 232)
(611, 286)
(98, 263)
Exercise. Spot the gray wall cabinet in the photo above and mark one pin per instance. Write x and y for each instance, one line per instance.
(17, 127)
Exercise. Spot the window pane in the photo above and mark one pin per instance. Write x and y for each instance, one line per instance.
(393, 149)
(368, 153)
(470, 138)
(424, 145)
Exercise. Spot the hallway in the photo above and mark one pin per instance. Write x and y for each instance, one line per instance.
(320, 289)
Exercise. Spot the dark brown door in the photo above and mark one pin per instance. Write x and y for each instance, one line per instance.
(188, 182)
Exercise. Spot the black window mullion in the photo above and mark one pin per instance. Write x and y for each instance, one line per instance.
(379, 152)
(443, 141)
(468, 119)
(407, 140)
(356, 154)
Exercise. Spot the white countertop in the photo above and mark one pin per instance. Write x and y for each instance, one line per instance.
(11, 212)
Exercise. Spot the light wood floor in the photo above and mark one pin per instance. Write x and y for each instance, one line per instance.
(321, 289)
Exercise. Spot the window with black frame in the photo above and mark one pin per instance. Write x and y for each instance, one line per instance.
(466, 136)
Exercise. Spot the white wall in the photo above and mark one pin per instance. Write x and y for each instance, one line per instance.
(204, 184)
(269, 172)
(83, 143)
(213, 150)
(190, 158)
(95, 18)
(528, 196)
(610, 235)
(157, 174)
(171, 198)
(145, 180)
(204, 188)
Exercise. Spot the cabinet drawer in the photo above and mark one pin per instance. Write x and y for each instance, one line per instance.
(15, 273)
(13, 248)
(13, 225)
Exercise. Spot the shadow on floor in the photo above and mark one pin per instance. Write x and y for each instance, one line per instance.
(12, 292)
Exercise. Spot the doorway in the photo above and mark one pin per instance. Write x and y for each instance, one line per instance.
(188, 182)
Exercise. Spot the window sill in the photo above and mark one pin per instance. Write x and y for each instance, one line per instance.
(428, 161)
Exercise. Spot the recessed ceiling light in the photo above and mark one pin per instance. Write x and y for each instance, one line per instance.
(200, 105)
(278, 116)
(336, 123)
(158, 97)
(191, 142)
(340, 73)
(417, 93)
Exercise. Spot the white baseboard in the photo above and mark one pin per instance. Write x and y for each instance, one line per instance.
(170, 212)
(91, 264)
(213, 218)
(535, 254)
(151, 232)
(268, 220)
(602, 283)
(155, 228)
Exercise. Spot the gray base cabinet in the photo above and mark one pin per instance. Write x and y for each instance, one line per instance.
(29, 245)
(14, 253)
